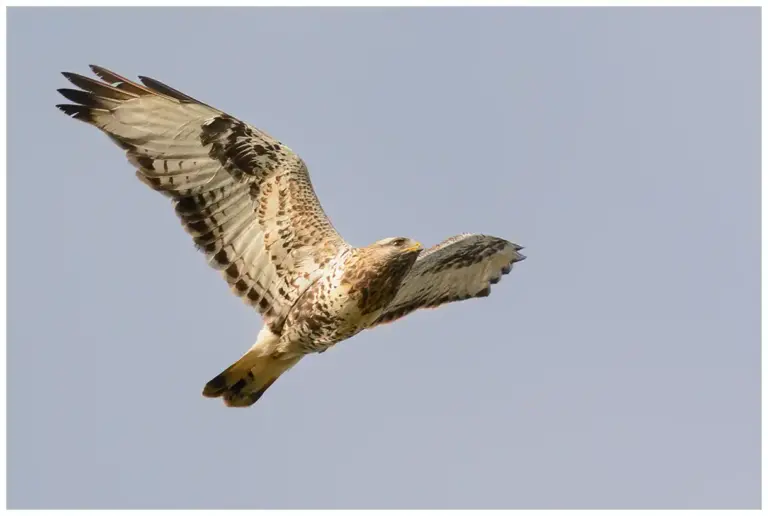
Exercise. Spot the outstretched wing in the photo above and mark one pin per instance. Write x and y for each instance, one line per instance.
(245, 198)
(459, 268)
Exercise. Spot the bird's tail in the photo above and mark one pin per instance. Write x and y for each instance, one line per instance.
(245, 381)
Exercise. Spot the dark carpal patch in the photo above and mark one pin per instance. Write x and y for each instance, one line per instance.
(240, 148)
(430, 282)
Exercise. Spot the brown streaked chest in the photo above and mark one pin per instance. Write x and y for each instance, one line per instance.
(373, 281)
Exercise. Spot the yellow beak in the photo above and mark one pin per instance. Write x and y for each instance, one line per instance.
(415, 247)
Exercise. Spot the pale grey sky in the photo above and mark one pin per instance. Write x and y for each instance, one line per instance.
(618, 367)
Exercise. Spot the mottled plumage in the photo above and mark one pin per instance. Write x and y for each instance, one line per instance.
(248, 203)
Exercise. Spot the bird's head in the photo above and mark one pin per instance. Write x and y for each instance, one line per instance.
(400, 245)
(393, 257)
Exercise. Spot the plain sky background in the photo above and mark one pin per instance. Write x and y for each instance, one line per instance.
(618, 367)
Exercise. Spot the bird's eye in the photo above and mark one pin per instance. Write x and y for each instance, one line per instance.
(399, 242)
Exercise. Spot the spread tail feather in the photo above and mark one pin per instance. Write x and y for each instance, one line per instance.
(245, 381)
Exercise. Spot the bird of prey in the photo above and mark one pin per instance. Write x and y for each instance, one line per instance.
(248, 203)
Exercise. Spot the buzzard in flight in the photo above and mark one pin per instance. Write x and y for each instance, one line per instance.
(247, 201)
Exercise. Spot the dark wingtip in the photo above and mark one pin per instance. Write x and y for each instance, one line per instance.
(164, 89)
(76, 111)
(102, 73)
(75, 78)
(79, 96)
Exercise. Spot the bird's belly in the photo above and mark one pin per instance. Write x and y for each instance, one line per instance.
(321, 320)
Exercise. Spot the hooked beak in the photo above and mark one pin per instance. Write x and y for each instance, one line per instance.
(415, 247)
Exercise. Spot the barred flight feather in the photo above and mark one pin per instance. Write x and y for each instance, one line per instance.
(222, 175)
(459, 268)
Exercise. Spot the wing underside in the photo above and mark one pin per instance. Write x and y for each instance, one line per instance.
(462, 267)
(245, 198)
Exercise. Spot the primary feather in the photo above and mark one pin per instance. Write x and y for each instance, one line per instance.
(245, 198)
